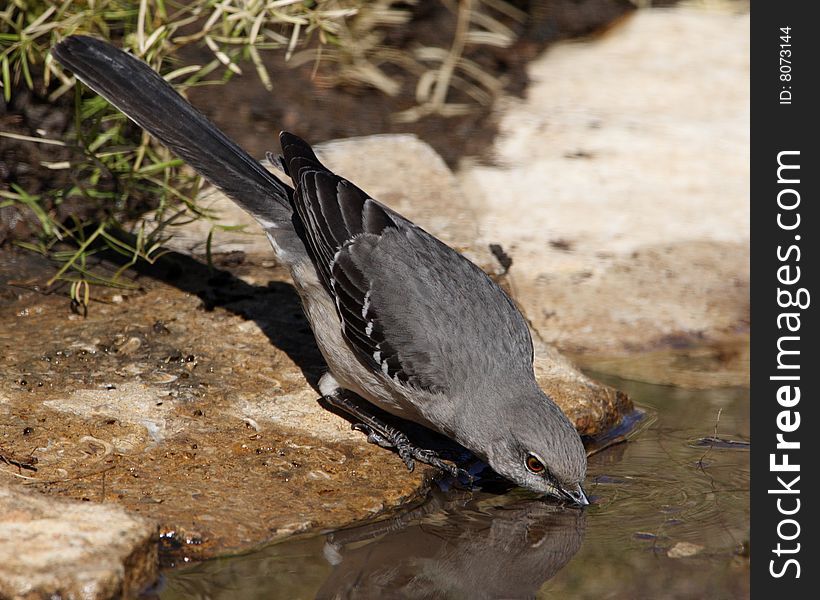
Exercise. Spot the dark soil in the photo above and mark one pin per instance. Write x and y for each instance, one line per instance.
(302, 103)
(21, 163)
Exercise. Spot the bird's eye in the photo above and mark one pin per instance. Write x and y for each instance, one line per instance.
(535, 465)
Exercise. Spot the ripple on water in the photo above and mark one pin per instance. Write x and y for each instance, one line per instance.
(674, 482)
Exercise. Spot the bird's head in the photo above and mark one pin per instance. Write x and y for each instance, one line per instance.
(534, 445)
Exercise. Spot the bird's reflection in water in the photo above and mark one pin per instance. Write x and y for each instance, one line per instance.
(457, 545)
(471, 546)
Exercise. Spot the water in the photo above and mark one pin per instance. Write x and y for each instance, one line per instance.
(670, 519)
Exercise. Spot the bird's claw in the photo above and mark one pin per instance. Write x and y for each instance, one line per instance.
(410, 453)
(373, 436)
(406, 454)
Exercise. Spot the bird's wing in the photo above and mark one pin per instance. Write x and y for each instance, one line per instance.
(410, 306)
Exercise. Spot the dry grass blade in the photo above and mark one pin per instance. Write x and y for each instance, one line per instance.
(113, 167)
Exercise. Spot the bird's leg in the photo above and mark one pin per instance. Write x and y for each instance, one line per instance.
(374, 437)
(387, 436)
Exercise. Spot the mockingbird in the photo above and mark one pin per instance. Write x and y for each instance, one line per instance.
(403, 321)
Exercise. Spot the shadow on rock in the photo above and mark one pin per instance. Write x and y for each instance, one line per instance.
(274, 307)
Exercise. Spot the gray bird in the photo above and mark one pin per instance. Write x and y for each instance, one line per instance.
(403, 321)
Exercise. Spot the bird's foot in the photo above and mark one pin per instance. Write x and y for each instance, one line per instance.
(380, 433)
(390, 437)
(373, 436)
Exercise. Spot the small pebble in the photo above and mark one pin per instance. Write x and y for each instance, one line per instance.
(684, 550)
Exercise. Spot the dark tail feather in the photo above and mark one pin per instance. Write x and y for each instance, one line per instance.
(147, 99)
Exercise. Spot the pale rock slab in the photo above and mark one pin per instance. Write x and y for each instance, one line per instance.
(621, 188)
(53, 548)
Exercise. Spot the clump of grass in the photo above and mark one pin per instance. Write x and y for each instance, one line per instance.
(362, 57)
(111, 165)
(120, 172)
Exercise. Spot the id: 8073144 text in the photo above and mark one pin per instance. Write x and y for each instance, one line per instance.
(785, 66)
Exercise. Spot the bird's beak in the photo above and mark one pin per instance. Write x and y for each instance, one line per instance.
(576, 496)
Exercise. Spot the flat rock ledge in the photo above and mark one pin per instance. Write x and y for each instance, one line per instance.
(72, 550)
(191, 400)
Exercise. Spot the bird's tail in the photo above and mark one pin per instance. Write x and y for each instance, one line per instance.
(147, 99)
